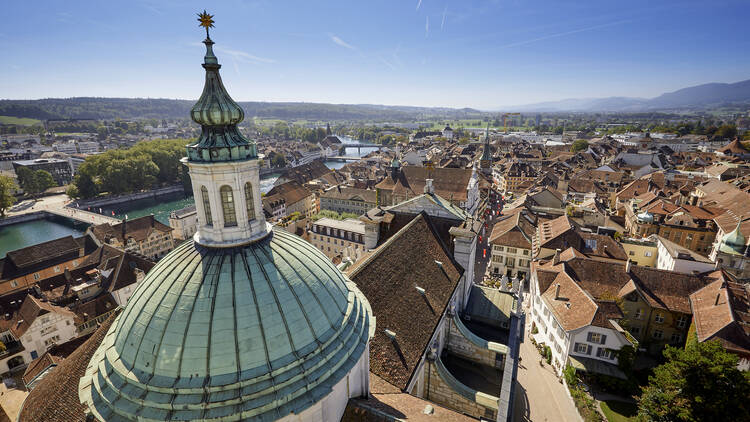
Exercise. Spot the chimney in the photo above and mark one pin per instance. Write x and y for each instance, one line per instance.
(557, 291)
(717, 264)
(718, 296)
(627, 266)
(428, 188)
(123, 229)
(556, 258)
(153, 221)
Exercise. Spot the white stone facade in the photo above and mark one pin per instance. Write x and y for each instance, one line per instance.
(214, 176)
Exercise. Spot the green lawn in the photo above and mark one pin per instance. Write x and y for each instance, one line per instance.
(23, 121)
(617, 411)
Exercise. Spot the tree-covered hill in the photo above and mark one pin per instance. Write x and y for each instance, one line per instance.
(135, 108)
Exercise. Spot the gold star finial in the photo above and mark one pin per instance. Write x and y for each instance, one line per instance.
(206, 21)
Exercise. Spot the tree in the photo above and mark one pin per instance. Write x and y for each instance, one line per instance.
(7, 186)
(579, 145)
(43, 180)
(278, 160)
(698, 383)
(726, 131)
(26, 179)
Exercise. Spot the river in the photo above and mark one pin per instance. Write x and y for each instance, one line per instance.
(30, 233)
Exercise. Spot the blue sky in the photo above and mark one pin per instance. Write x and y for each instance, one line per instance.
(456, 53)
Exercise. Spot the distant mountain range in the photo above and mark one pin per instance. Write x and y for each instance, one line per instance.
(700, 97)
(696, 98)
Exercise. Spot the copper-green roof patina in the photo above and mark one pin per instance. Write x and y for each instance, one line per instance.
(258, 332)
(218, 115)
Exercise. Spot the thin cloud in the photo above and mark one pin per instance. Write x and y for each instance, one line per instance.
(445, 12)
(427, 27)
(562, 34)
(339, 41)
(419, 3)
(243, 56)
(387, 63)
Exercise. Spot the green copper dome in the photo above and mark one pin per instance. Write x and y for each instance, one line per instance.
(259, 331)
(218, 115)
(733, 242)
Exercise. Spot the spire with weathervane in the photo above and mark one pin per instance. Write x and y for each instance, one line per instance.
(223, 164)
(217, 113)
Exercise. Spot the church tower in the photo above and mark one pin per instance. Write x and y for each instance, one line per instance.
(224, 167)
(485, 163)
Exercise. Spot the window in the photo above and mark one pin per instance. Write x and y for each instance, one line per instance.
(605, 353)
(659, 318)
(206, 206)
(249, 201)
(499, 248)
(675, 338)
(36, 276)
(227, 206)
(57, 268)
(596, 338)
(638, 313)
(635, 330)
(658, 334)
(681, 321)
(583, 348)
(648, 253)
(631, 253)
(14, 283)
(511, 250)
(510, 262)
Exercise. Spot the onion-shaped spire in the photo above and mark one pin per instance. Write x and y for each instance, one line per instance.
(218, 114)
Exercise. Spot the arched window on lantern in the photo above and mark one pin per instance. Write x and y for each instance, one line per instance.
(227, 206)
(206, 206)
(249, 201)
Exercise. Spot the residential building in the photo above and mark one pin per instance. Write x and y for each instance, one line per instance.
(343, 199)
(721, 310)
(459, 186)
(60, 170)
(144, 235)
(686, 225)
(30, 331)
(338, 238)
(184, 222)
(561, 233)
(511, 242)
(673, 257)
(516, 178)
(654, 303)
(580, 330)
(288, 198)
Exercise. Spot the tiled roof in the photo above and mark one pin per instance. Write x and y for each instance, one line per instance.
(43, 251)
(572, 306)
(389, 279)
(347, 193)
(306, 172)
(292, 192)
(662, 289)
(514, 231)
(30, 310)
(450, 183)
(55, 398)
(139, 229)
(722, 310)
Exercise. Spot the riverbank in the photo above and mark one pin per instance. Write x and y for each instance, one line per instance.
(114, 200)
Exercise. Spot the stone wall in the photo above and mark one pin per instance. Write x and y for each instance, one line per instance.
(461, 346)
(127, 198)
(440, 392)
